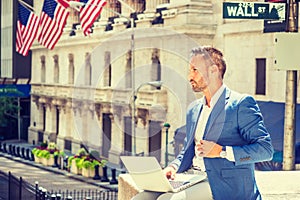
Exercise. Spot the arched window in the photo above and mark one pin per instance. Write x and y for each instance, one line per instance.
(107, 70)
(43, 69)
(71, 69)
(156, 66)
(56, 69)
(88, 69)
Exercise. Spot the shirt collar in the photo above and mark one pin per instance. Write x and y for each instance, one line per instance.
(214, 98)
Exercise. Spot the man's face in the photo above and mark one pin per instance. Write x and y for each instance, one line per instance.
(198, 74)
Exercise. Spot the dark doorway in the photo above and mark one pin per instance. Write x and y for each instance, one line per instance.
(127, 135)
(106, 140)
(155, 139)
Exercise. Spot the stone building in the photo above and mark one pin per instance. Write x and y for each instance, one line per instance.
(86, 89)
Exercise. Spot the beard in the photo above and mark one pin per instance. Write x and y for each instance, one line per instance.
(196, 87)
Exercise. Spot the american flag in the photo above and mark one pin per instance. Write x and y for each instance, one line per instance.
(89, 13)
(27, 28)
(52, 22)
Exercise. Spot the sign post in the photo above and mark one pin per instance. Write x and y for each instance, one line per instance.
(291, 99)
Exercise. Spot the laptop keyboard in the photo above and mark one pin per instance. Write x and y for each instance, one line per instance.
(177, 184)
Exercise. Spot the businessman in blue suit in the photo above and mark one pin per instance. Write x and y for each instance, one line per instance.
(225, 134)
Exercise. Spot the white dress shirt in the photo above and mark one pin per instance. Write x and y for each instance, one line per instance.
(202, 121)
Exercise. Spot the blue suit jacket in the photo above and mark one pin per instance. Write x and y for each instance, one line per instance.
(234, 121)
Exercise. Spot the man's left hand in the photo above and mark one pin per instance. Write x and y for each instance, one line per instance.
(208, 149)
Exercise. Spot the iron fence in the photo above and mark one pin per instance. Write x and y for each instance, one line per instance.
(14, 188)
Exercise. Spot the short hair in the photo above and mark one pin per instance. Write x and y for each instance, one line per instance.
(212, 55)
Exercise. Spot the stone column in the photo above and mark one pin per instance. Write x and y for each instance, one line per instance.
(48, 118)
(150, 6)
(69, 120)
(117, 137)
(62, 120)
(85, 123)
(40, 118)
(62, 126)
(125, 10)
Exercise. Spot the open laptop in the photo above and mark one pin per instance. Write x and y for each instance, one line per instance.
(147, 174)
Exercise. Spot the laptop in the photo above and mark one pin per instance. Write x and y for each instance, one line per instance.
(148, 175)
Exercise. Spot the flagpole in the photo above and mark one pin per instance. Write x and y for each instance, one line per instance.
(26, 4)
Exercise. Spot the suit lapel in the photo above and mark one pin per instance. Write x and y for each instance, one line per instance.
(218, 112)
(195, 119)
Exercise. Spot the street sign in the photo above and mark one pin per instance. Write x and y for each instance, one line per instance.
(15, 90)
(254, 10)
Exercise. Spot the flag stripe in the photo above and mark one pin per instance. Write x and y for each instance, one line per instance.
(89, 13)
(27, 28)
(52, 28)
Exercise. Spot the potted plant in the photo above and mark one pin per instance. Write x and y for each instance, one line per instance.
(46, 153)
(37, 152)
(75, 162)
(89, 165)
(47, 157)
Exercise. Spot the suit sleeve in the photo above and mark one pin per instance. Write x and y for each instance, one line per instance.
(252, 129)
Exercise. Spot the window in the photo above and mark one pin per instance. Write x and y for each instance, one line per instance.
(156, 66)
(56, 69)
(71, 69)
(88, 69)
(107, 70)
(43, 69)
(260, 76)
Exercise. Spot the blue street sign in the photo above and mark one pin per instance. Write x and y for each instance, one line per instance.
(254, 10)
(15, 90)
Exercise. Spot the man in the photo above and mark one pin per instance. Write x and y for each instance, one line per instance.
(232, 136)
(225, 136)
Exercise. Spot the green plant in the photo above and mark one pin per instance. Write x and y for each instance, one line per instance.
(79, 162)
(35, 151)
(102, 163)
(70, 158)
(44, 154)
(59, 153)
(87, 164)
(82, 152)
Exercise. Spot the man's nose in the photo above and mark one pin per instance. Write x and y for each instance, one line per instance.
(190, 76)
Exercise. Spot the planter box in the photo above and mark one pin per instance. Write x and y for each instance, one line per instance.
(37, 159)
(74, 168)
(91, 172)
(48, 162)
(88, 172)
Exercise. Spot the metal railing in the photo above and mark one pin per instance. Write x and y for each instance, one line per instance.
(14, 188)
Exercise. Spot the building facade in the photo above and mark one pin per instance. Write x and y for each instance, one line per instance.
(93, 90)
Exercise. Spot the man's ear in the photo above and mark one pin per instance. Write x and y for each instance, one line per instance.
(213, 69)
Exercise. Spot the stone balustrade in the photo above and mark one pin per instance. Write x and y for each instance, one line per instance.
(145, 98)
